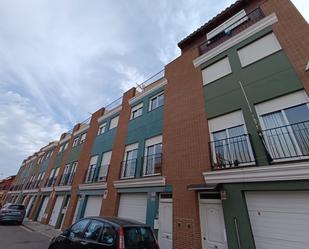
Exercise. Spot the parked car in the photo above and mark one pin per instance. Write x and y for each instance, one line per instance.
(109, 232)
(13, 212)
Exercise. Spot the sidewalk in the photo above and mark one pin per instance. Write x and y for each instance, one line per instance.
(41, 228)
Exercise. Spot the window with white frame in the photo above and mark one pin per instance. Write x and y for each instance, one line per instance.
(258, 49)
(129, 161)
(285, 123)
(75, 141)
(72, 172)
(102, 128)
(216, 70)
(156, 101)
(153, 156)
(83, 138)
(136, 111)
(230, 142)
(114, 122)
(65, 146)
(61, 149)
(92, 169)
(106, 158)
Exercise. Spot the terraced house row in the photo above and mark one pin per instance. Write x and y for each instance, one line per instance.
(214, 154)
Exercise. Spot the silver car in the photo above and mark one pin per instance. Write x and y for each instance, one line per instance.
(13, 212)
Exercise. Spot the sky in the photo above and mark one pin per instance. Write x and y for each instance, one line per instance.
(62, 60)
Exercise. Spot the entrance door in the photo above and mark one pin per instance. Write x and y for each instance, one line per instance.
(56, 211)
(166, 224)
(43, 207)
(212, 224)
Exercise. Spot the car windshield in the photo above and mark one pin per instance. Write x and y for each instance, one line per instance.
(138, 238)
(16, 207)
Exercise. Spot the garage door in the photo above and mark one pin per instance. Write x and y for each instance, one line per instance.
(56, 211)
(43, 207)
(133, 206)
(279, 220)
(93, 206)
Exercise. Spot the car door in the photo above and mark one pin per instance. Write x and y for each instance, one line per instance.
(91, 238)
(75, 236)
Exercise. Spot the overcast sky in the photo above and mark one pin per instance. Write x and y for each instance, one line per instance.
(61, 60)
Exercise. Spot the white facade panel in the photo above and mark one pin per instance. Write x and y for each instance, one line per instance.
(216, 71)
(259, 49)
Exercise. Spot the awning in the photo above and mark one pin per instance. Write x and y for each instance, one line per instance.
(203, 187)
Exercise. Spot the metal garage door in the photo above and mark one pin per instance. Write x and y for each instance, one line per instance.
(93, 206)
(43, 207)
(279, 220)
(133, 206)
(56, 211)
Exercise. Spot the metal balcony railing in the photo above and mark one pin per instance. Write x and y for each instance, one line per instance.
(289, 142)
(152, 164)
(128, 168)
(96, 174)
(232, 152)
(233, 29)
(51, 182)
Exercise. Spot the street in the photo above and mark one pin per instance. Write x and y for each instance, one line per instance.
(19, 237)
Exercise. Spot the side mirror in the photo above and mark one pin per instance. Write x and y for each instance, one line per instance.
(66, 233)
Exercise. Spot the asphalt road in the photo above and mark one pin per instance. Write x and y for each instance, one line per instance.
(19, 237)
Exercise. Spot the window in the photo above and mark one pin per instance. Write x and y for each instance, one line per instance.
(114, 122)
(138, 237)
(106, 157)
(65, 146)
(258, 49)
(108, 235)
(129, 162)
(156, 101)
(93, 230)
(91, 169)
(216, 71)
(60, 149)
(77, 230)
(75, 142)
(153, 156)
(230, 143)
(83, 138)
(229, 24)
(102, 128)
(72, 172)
(287, 132)
(136, 111)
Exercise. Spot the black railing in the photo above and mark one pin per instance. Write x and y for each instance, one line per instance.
(96, 174)
(128, 168)
(64, 179)
(233, 29)
(288, 142)
(232, 152)
(90, 176)
(51, 181)
(152, 164)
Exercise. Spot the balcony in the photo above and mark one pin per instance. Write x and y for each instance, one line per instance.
(289, 142)
(231, 30)
(232, 152)
(152, 165)
(66, 179)
(128, 168)
(51, 182)
(96, 174)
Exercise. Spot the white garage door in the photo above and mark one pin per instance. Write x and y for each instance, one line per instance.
(43, 207)
(56, 211)
(133, 206)
(93, 206)
(279, 220)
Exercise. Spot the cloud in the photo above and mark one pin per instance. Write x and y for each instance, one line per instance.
(23, 130)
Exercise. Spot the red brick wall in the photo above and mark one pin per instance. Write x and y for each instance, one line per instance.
(110, 204)
(292, 31)
(185, 150)
(82, 167)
